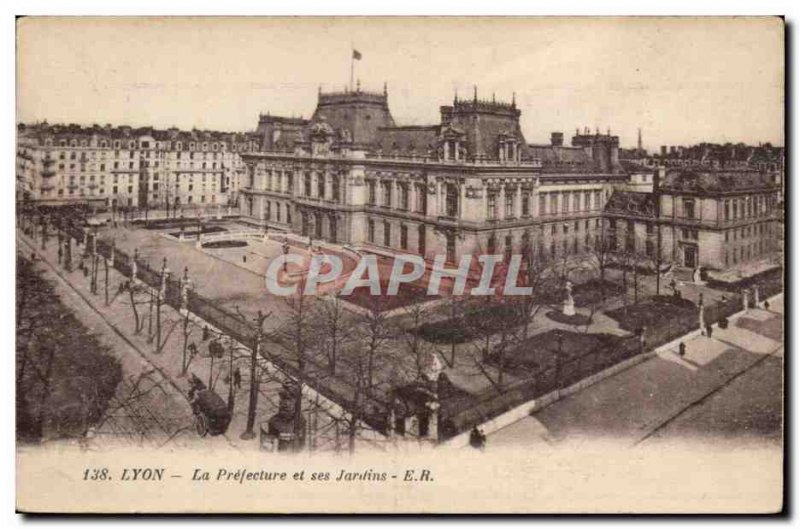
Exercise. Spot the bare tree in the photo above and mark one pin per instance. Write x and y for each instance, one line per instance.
(254, 380)
(336, 328)
(298, 338)
(126, 402)
(133, 289)
(455, 309)
(419, 350)
(601, 252)
(375, 332)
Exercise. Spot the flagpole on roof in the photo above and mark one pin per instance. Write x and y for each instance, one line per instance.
(352, 63)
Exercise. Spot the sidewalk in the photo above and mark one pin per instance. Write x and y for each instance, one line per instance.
(629, 406)
(118, 319)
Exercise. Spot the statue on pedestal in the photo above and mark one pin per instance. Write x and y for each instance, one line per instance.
(569, 303)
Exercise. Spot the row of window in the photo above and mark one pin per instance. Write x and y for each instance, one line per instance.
(744, 253)
(404, 196)
(386, 233)
(569, 201)
(763, 229)
(145, 144)
(749, 207)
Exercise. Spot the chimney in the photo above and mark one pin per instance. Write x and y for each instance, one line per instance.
(557, 139)
(663, 150)
(657, 174)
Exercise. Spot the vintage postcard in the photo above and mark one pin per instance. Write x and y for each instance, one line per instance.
(400, 265)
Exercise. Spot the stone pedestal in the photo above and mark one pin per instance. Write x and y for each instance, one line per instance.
(569, 307)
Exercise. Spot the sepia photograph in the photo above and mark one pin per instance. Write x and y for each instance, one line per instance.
(400, 264)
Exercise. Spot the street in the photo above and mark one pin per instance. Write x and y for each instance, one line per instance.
(727, 387)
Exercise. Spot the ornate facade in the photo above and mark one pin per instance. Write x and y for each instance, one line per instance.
(467, 184)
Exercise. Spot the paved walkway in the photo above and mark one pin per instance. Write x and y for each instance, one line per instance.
(648, 398)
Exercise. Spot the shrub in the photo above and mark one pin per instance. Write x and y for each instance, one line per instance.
(224, 244)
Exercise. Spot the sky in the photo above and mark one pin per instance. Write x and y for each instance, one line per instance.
(681, 80)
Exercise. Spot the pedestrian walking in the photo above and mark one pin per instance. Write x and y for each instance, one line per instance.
(475, 438)
(237, 378)
(682, 349)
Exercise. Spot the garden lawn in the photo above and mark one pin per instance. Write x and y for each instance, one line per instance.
(654, 312)
(538, 352)
(474, 322)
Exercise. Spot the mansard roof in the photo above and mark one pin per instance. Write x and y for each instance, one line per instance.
(417, 140)
(126, 132)
(562, 158)
(697, 181)
(634, 167)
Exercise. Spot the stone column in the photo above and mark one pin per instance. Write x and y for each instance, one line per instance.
(501, 214)
(756, 296)
(518, 202)
(439, 199)
(745, 299)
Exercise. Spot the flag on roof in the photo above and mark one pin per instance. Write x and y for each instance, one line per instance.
(357, 55)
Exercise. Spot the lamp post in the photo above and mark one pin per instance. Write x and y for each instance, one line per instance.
(109, 262)
(185, 311)
(251, 410)
(162, 294)
(95, 262)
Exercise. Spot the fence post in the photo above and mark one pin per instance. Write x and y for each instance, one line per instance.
(701, 315)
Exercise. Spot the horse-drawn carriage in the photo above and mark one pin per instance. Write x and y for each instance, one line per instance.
(211, 412)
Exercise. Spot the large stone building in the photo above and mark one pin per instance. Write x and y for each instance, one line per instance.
(124, 167)
(717, 220)
(469, 183)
